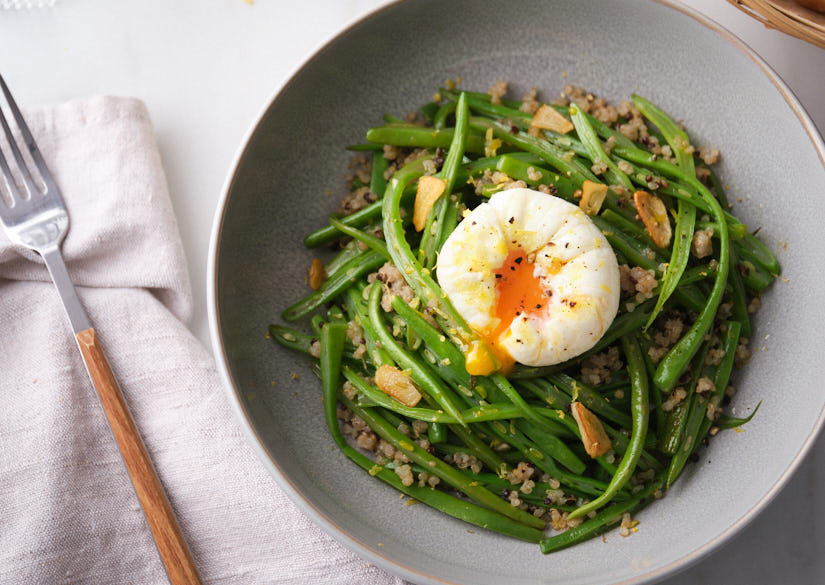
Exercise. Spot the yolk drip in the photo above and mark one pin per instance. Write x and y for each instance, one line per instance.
(518, 292)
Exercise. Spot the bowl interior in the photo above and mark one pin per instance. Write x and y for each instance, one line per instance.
(290, 177)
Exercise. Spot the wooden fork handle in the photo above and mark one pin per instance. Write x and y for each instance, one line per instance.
(170, 542)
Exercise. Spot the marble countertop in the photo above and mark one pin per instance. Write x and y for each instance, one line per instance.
(205, 70)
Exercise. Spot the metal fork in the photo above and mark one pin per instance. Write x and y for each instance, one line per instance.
(36, 218)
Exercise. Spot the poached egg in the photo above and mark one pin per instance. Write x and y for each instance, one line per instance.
(532, 276)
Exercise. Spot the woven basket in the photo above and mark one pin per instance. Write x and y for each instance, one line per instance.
(787, 16)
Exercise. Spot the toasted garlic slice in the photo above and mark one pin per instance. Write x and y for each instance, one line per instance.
(593, 195)
(653, 213)
(392, 381)
(595, 440)
(429, 190)
(316, 274)
(547, 118)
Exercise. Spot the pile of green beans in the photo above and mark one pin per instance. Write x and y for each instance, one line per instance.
(522, 420)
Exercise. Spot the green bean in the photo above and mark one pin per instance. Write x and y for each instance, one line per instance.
(676, 137)
(483, 106)
(590, 398)
(513, 396)
(754, 276)
(441, 469)
(595, 150)
(545, 391)
(739, 298)
(737, 231)
(751, 248)
(510, 110)
(437, 432)
(332, 348)
(480, 449)
(716, 187)
(351, 250)
(342, 279)
(670, 438)
(563, 425)
(374, 243)
(659, 414)
(682, 239)
(412, 339)
(477, 95)
(422, 376)
(335, 313)
(377, 181)
(420, 137)
(635, 251)
(640, 410)
(632, 228)
(357, 311)
(291, 338)
(431, 233)
(733, 331)
(697, 423)
(440, 118)
(517, 169)
(621, 443)
(686, 215)
(550, 153)
(596, 525)
(552, 446)
(329, 233)
(390, 119)
(448, 225)
(433, 229)
(448, 354)
(317, 322)
(731, 422)
(365, 147)
(429, 110)
(391, 417)
(481, 413)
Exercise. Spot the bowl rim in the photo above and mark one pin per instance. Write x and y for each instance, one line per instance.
(255, 440)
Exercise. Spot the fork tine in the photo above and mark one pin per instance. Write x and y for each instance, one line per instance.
(27, 137)
(5, 171)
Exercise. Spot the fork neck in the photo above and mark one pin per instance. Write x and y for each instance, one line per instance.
(68, 294)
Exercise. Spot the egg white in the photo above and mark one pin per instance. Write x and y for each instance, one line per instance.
(572, 260)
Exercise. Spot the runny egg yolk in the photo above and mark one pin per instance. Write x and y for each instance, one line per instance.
(518, 292)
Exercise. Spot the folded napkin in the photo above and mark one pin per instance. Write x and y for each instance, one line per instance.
(68, 513)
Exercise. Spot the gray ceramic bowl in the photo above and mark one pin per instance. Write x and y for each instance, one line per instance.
(392, 61)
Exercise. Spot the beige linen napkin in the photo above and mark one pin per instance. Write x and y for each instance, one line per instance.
(68, 513)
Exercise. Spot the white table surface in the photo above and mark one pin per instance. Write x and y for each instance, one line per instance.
(206, 68)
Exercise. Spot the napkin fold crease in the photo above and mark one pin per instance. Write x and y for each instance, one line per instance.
(68, 513)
